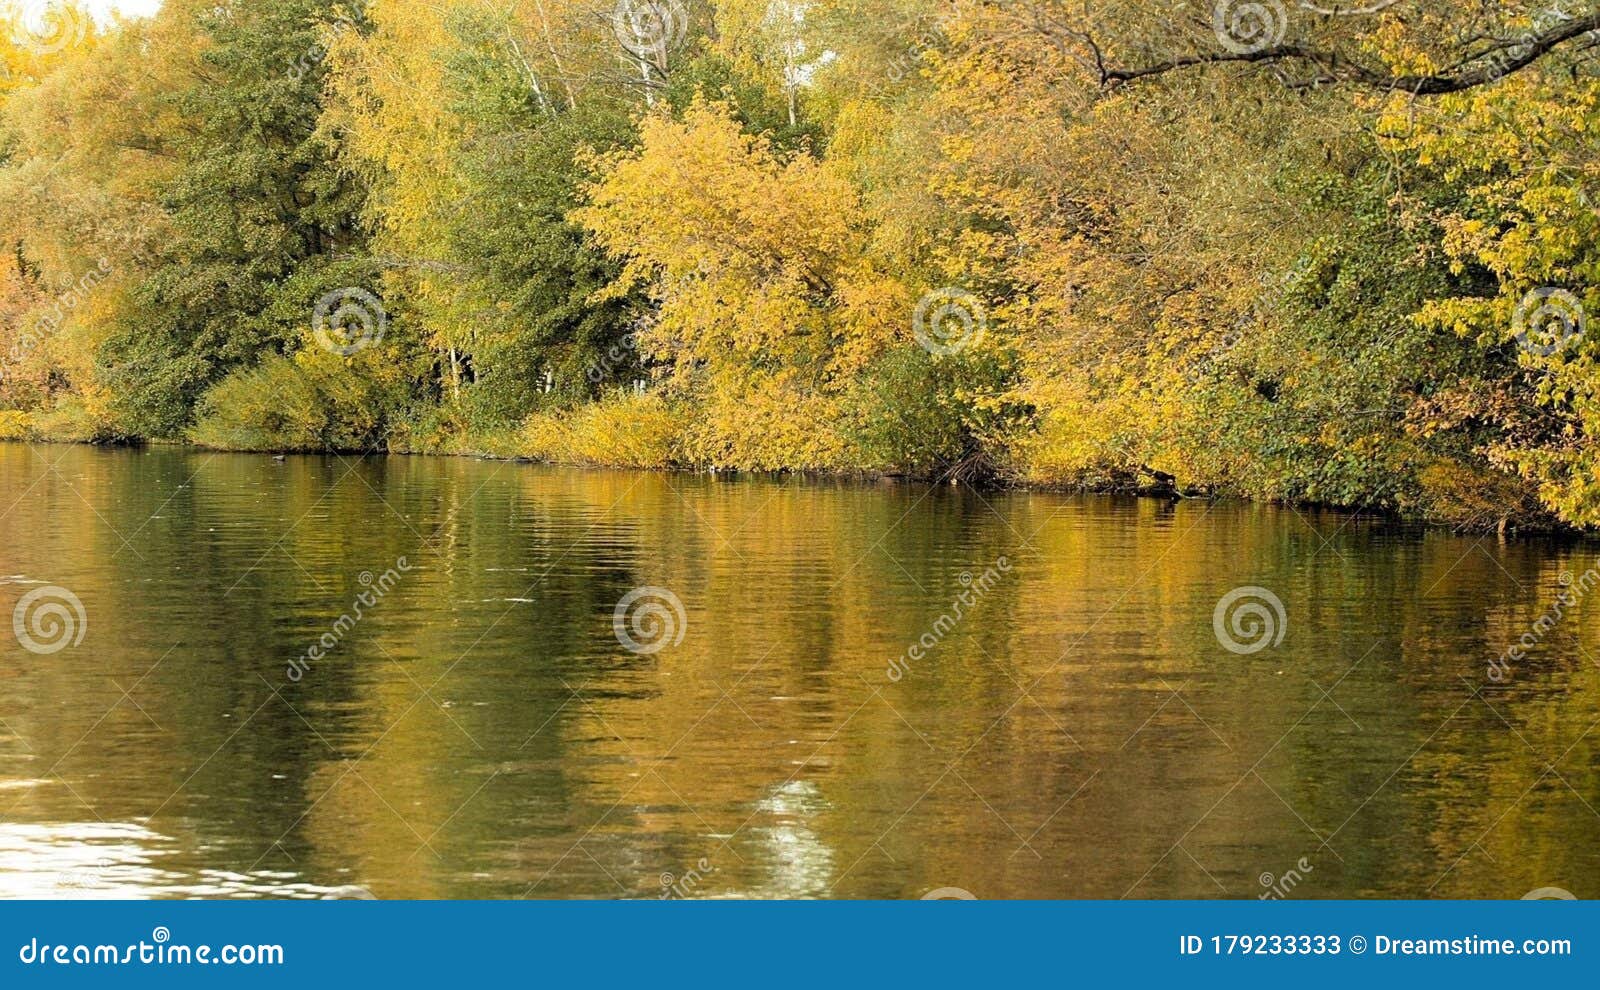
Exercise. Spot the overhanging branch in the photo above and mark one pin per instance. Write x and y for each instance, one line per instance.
(1487, 67)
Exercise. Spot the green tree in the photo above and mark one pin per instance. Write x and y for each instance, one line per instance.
(258, 214)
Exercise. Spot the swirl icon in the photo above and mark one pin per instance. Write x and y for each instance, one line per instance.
(948, 321)
(1249, 27)
(48, 620)
(649, 28)
(648, 620)
(348, 321)
(161, 936)
(1249, 620)
(1548, 320)
(47, 26)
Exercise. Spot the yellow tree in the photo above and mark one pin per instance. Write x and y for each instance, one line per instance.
(420, 93)
(76, 204)
(1526, 157)
(34, 36)
(758, 263)
(392, 113)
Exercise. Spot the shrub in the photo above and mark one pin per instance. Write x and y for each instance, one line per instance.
(313, 401)
(624, 429)
(15, 425)
(71, 420)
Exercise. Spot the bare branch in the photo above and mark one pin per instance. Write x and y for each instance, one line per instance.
(1506, 58)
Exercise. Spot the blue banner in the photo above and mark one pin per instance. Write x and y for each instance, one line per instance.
(636, 944)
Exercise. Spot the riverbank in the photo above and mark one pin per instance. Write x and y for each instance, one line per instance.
(1162, 488)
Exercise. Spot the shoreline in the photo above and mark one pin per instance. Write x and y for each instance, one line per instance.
(864, 478)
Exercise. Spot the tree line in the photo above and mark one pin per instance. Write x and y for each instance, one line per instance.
(1329, 251)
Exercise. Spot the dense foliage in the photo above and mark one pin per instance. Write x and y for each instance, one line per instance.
(1311, 252)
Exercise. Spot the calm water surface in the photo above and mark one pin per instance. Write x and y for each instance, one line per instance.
(481, 731)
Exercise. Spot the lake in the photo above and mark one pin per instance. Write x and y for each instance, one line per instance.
(221, 675)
